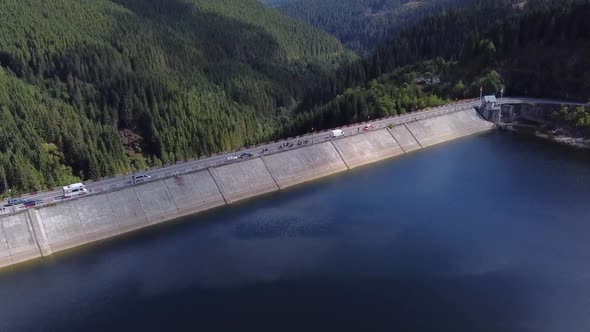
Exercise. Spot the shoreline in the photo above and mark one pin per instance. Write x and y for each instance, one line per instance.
(539, 131)
(582, 143)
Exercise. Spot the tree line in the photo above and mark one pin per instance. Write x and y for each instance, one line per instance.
(194, 77)
(492, 43)
(189, 78)
(361, 25)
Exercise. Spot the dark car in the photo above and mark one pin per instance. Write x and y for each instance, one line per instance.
(246, 155)
(33, 203)
(15, 201)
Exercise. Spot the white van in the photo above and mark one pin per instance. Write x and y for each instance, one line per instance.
(336, 133)
(73, 190)
(139, 178)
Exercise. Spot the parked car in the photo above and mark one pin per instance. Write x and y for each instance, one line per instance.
(368, 127)
(15, 201)
(246, 155)
(232, 157)
(138, 178)
(32, 203)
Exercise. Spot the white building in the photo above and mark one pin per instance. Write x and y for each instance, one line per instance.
(489, 102)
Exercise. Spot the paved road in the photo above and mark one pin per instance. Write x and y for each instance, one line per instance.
(196, 164)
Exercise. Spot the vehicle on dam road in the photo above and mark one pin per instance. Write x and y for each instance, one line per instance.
(336, 133)
(141, 177)
(32, 203)
(246, 155)
(368, 127)
(15, 201)
(73, 190)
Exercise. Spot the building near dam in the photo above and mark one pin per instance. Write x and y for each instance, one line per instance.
(40, 232)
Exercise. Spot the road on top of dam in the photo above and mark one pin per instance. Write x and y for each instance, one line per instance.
(198, 164)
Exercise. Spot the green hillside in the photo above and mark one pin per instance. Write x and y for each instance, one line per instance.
(362, 25)
(274, 3)
(96, 88)
(183, 78)
(538, 49)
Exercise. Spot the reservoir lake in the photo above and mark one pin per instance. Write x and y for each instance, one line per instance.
(487, 233)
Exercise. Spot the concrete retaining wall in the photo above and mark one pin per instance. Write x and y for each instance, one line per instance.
(156, 201)
(62, 225)
(243, 180)
(127, 210)
(305, 164)
(17, 242)
(97, 217)
(41, 232)
(447, 127)
(373, 146)
(404, 138)
(194, 192)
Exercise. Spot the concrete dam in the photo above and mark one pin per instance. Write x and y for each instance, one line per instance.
(40, 232)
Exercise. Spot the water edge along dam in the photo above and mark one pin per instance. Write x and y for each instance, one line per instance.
(40, 232)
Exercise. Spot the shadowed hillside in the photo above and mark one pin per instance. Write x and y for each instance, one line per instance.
(186, 77)
(362, 25)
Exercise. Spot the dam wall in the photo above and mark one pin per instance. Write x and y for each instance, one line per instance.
(17, 243)
(364, 149)
(447, 127)
(126, 209)
(304, 164)
(243, 180)
(194, 193)
(40, 232)
(404, 138)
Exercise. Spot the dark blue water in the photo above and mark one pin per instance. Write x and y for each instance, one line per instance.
(488, 233)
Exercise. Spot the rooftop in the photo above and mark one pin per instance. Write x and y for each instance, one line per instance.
(489, 99)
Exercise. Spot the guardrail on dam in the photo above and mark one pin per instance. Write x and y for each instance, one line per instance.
(42, 231)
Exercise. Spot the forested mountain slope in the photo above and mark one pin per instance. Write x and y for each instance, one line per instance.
(182, 77)
(274, 3)
(539, 48)
(363, 24)
(94, 88)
